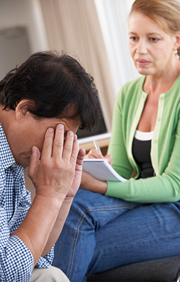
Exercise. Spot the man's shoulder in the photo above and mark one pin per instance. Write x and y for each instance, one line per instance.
(6, 156)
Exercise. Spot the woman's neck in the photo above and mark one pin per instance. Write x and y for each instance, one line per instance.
(158, 84)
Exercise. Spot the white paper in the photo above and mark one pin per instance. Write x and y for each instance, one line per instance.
(101, 170)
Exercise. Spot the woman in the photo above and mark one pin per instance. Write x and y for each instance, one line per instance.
(140, 219)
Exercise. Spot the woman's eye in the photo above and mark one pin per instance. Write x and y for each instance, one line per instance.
(153, 39)
(133, 38)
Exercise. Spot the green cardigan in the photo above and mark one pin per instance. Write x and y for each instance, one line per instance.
(165, 146)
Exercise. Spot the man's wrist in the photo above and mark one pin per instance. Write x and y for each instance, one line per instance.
(69, 199)
(50, 201)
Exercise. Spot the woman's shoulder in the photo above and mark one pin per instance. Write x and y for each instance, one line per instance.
(131, 88)
(138, 82)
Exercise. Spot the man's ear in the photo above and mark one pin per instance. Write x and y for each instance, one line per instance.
(22, 109)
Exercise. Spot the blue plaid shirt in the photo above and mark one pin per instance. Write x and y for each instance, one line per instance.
(16, 260)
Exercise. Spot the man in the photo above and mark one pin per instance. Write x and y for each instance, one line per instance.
(42, 104)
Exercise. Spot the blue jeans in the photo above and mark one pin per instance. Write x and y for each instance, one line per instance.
(101, 233)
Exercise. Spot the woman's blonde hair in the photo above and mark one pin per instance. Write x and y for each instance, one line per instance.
(166, 13)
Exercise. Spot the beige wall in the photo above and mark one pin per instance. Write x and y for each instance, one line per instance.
(24, 13)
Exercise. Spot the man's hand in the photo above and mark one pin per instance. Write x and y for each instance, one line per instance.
(56, 174)
(58, 169)
(78, 173)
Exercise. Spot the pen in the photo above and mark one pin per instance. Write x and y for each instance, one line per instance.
(97, 146)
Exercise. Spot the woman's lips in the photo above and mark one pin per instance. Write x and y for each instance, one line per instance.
(142, 63)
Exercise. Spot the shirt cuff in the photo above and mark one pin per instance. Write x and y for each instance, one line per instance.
(16, 261)
(47, 260)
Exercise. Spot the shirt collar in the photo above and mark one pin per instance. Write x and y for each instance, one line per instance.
(6, 156)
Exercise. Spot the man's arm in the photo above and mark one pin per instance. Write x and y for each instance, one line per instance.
(52, 176)
(64, 210)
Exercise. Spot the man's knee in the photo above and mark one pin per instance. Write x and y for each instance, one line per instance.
(51, 274)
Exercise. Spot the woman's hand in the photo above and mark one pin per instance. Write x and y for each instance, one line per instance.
(91, 184)
(95, 154)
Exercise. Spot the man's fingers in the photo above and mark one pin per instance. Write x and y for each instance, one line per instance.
(34, 161)
(75, 150)
(58, 141)
(69, 150)
(80, 156)
(48, 142)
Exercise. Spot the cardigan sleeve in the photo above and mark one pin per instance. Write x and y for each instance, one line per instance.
(117, 146)
(161, 188)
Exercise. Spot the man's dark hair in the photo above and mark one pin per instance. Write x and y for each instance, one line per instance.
(55, 83)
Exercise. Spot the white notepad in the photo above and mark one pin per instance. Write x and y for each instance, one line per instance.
(101, 170)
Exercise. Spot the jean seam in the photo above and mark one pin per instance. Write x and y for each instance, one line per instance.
(107, 208)
(74, 244)
(144, 241)
(79, 224)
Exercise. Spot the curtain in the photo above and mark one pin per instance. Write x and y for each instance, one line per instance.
(73, 26)
(113, 18)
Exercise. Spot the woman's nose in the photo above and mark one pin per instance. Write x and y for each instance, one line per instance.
(141, 47)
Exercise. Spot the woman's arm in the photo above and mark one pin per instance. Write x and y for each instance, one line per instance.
(161, 188)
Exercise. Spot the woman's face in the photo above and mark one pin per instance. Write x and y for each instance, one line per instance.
(151, 49)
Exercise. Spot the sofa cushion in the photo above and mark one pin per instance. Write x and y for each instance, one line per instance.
(160, 270)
